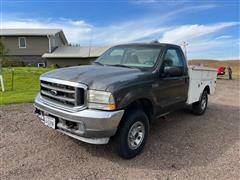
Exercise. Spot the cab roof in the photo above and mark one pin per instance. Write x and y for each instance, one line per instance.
(149, 44)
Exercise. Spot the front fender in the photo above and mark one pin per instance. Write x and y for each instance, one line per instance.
(129, 96)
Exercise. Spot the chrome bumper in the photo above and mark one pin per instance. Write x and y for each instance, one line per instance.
(95, 126)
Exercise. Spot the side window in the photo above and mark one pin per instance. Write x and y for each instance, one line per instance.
(22, 42)
(173, 58)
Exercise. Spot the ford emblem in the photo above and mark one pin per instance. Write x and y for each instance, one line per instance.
(53, 92)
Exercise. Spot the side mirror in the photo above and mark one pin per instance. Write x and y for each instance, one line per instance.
(171, 71)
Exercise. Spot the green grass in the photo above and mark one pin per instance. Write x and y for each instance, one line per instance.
(26, 84)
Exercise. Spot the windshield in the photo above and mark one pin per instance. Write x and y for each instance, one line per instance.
(131, 56)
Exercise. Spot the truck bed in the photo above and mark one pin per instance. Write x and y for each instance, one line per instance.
(199, 78)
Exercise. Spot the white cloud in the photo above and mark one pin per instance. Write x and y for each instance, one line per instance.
(81, 32)
(224, 37)
(202, 40)
(221, 49)
(227, 58)
(191, 32)
(76, 31)
(206, 44)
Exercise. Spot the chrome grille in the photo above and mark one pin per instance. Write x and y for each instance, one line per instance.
(62, 94)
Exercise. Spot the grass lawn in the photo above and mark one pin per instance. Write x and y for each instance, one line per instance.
(26, 84)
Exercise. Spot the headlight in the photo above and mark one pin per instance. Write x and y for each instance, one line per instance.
(101, 100)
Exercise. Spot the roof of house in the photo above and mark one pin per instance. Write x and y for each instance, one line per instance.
(36, 32)
(33, 32)
(77, 52)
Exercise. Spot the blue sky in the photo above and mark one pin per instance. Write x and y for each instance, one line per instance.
(211, 28)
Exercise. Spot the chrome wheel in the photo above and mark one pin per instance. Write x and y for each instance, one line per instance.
(204, 102)
(136, 135)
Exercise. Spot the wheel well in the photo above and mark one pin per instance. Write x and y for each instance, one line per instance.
(143, 104)
(207, 89)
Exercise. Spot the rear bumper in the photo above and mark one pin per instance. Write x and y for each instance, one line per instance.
(92, 126)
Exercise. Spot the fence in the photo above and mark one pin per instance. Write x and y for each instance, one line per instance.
(21, 84)
(1, 79)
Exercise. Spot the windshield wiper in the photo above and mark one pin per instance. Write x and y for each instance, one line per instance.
(121, 65)
(96, 62)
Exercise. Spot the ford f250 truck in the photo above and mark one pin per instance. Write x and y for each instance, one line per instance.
(118, 97)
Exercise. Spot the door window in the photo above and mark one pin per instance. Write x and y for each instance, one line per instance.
(173, 58)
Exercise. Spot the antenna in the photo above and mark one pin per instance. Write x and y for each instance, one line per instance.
(185, 44)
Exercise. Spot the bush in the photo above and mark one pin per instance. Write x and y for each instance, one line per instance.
(65, 66)
(11, 63)
(54, 66)
(28, 65)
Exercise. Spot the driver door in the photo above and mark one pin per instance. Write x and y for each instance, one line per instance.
(172, 88)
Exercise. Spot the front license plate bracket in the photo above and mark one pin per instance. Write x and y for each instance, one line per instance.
(50, 121)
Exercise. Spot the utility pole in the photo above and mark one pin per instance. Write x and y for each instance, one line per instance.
(90, 45)
(185, 44)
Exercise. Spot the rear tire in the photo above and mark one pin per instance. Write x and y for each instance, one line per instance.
(132, 134)
(200, 107)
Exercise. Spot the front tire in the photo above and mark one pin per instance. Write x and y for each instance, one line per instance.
(132, 134)
(200, 107)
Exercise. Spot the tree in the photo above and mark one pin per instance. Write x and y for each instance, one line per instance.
(3, 50)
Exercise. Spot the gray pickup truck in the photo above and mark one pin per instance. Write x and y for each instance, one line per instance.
(117, 97)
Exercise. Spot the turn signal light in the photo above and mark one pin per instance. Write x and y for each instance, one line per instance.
(111, 107)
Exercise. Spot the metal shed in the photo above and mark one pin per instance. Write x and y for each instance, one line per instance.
(72, 56)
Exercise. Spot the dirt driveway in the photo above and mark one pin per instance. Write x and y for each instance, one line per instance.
(182, 146)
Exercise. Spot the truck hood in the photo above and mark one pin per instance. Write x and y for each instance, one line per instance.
(96, 76)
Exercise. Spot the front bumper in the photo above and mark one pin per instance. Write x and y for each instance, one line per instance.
(95, 126)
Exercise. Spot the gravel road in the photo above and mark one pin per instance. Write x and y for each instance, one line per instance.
(182, 146)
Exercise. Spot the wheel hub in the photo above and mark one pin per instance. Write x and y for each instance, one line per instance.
(136, 135)
(203, 103)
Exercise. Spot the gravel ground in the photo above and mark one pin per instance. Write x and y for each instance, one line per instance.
(182, 146)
